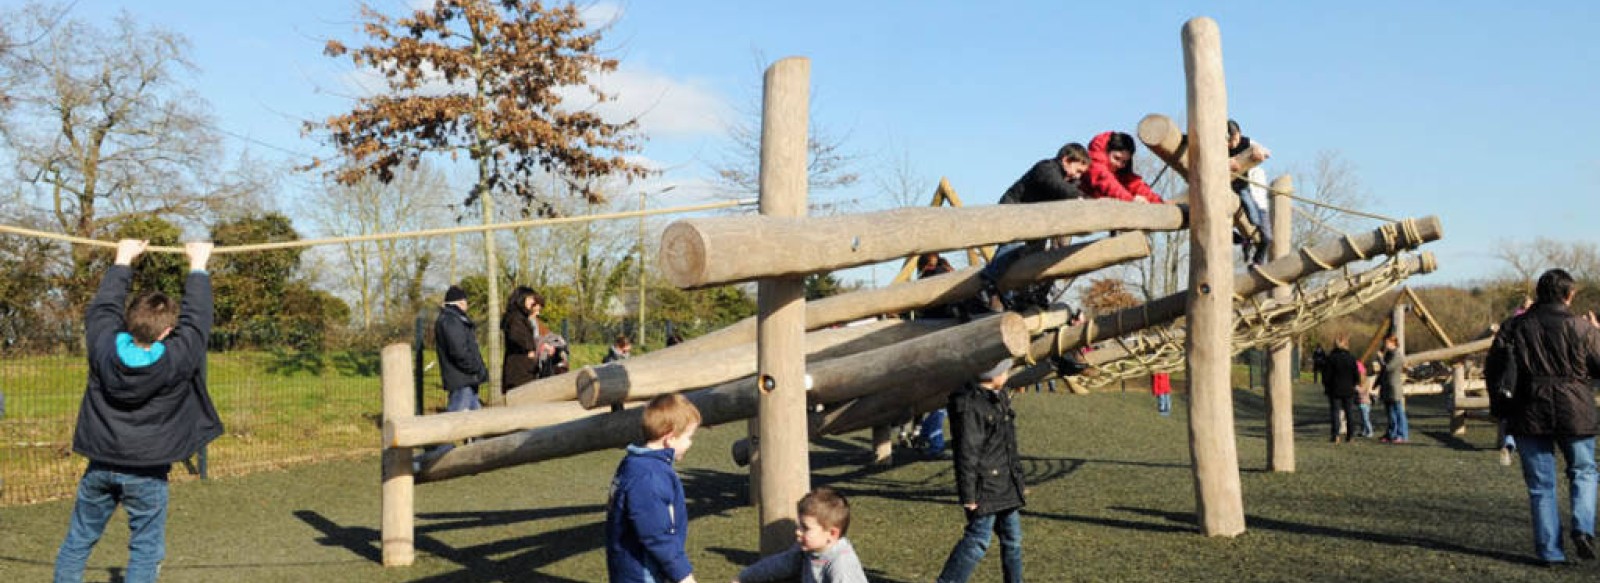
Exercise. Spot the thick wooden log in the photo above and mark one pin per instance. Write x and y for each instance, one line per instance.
(460, 425)
(781, 308)
(674, 370)
(1280, 368)
(833, 380)
(1385, 240)
(604, 431)
(603, 385)
(1458, 394)
(702, 252)
(1450, 352)
(1212, 444)
(398, 527)
(1165, 139)
(562, 387)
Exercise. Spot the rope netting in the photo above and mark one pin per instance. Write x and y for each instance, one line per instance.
(1258, 321)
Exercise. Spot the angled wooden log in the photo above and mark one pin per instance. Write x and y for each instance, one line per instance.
(674, 369)
(1386, 240)
(601, 386)
(839, 378)
(460, 425)
(1450, 352)
(1164, 138)
(702, 252)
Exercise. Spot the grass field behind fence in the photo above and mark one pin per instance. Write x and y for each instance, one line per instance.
(277, 408)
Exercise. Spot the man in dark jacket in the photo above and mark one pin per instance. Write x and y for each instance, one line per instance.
(1549, 355)
(145, 407)
(1340, 381)
(988, 475)
(1048, 180)
(455, 342)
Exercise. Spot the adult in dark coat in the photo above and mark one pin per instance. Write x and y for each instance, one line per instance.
(1341, 378)
(455, 341)
(1549, 356)
(525, 352)
(988, 475)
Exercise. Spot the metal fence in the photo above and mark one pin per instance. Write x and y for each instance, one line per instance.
(278, 408)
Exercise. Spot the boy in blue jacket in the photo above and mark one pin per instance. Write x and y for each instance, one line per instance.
(646, 519)
(146, 406)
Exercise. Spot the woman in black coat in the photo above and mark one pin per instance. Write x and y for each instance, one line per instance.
(524, 352)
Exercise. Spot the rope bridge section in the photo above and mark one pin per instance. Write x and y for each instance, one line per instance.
(1258, 321)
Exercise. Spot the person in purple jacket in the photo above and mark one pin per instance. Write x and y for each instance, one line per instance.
(647, 521)
(145, 407)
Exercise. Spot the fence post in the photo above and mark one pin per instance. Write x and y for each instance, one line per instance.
(416, 357)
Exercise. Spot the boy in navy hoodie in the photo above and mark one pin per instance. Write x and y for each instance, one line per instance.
(146, 406)
(646, 519)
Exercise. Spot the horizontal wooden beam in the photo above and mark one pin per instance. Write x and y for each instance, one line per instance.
(711, 251)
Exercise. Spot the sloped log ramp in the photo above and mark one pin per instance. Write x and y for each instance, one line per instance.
(674, 370)
(702, 252)
(959, 351)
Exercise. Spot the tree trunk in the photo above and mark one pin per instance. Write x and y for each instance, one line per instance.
(1280, 369)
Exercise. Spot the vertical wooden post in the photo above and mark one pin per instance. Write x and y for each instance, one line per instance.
(1280, 378)
(397, 526)
(1458, 390)
(1398, 328)
(1210, 299)
(785, 471)
(882, 445)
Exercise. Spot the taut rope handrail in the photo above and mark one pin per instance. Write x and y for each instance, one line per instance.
(381, 236)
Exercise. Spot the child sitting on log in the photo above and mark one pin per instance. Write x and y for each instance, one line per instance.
(821, 553)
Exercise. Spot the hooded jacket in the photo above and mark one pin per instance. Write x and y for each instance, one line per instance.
(988, 469)
(149, 413)
(456, 344)
(1100, 181)
(647, 521)
(1340, 374)
(1551, 355)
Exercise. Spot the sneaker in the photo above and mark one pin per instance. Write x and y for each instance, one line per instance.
(1384, 439)
(1583, 543)
(1505, 456)
(1398, 440)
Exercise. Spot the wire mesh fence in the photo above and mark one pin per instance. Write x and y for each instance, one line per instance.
(278, 408)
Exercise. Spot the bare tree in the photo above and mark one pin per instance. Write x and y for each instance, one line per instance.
(102, 134)
(901, 180)
(1332, 182)
(829, 162)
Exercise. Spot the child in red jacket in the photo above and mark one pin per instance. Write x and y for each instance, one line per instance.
(1161, 387)
(1111, 172)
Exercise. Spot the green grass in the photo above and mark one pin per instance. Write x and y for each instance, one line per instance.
(1112, 499)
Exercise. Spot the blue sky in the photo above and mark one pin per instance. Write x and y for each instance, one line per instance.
(1482, 113)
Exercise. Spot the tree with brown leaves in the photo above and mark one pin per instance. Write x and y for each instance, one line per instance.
(484, 78)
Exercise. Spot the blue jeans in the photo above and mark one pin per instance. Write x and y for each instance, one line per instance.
(1539, 472)
(1399, 427)
(1164, 404)
(1259, 218)
(975, 542)
(1366, 419)
(463, 399)
(933, 432)
(143, 495)
(1004, 256)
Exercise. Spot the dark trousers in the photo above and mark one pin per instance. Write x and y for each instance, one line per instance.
(1343, 409)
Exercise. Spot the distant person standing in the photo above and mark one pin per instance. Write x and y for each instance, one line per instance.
(1341, 378)
(1548, 356)
(145, 406)
(455, 342)
(1391, 389)
(1161, 387)
(526, 352)
(1318, 358)
(621, 349)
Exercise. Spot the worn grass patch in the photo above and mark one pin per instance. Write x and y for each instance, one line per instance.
(1112, 499)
